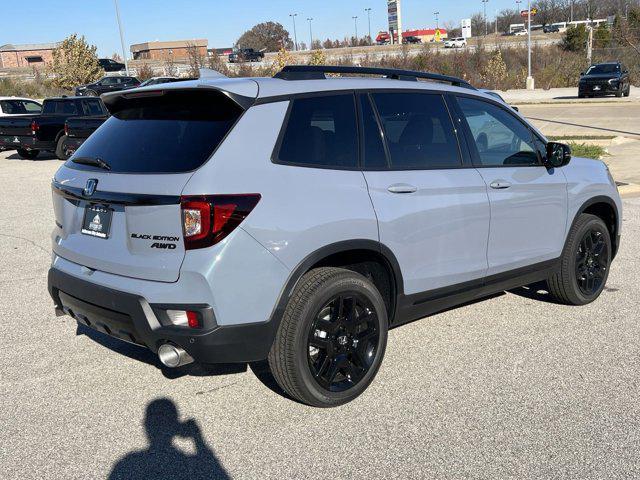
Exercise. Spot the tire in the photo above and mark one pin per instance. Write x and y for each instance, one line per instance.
(627, 91)
(60, 150)
(619, 94)
(581, 95)
(585, 261)
(91, 93)
(318, 351)
(28, 154)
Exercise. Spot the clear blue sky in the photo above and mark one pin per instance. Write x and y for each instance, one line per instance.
(221, 22)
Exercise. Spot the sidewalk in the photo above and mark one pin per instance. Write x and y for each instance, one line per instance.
(561, 95)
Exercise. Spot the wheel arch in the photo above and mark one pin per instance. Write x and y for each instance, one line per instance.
(606, 209)
(353, 255)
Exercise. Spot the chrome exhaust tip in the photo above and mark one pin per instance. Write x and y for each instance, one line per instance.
(173, 356)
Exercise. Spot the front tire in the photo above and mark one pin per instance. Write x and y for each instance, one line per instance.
(584, 265)
(332, 338)
(28, 154)
(60, 150)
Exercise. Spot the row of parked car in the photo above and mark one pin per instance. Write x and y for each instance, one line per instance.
(60, 124)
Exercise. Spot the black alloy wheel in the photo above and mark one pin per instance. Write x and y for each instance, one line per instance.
(592, 262)
(342, 341)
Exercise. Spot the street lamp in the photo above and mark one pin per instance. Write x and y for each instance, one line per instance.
(310, 34)
(484, 3)
(368, 10)
(124, 55)
(355, 22)
(295, 35)
(436, 14)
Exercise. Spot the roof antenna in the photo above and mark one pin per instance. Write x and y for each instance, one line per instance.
(210, 73)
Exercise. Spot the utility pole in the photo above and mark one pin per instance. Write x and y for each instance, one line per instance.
(518, 10)
(295, 35)
(355, 22)
(496, 23)
(571, 12)
(124, 55)
(310, 34)
(368, 10)
(437, 24)
(484, 3)
(530, 82)
(590, 44)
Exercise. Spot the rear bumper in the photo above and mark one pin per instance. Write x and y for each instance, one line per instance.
(131, 318)
(27, 142)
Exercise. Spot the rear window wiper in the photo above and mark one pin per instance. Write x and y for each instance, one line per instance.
(95, 161)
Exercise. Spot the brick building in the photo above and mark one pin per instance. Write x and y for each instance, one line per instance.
(29, 55)
(175, 50)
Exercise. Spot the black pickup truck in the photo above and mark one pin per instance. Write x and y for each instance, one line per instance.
(246, 55)
(31, 134)
(77, 130)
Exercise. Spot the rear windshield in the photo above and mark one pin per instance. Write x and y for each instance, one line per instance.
(59, 107)
(168, 133)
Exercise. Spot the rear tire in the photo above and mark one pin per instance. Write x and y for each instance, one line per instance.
(627, 92)
(28, 154)
(332, 338)
(60, 150)
(584, 265)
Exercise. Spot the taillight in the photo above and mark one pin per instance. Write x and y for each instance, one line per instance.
(66, 129)
(34, 127)
(208, 219)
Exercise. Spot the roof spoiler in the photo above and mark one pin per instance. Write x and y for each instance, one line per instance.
(317, 72)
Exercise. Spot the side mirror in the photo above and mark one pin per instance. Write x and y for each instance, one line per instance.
(558, 155)
(581, 74)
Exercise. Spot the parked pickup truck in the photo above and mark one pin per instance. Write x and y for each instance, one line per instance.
(246, 55)
(31, 134)
(77, 130)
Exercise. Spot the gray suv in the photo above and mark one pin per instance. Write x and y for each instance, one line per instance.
(298, 218)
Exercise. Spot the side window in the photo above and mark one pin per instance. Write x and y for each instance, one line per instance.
(92, 107)
(374, 156)
(500, 138)
(321, 131)
(418, 130)
(69, 108)
(32, 107)
(108, 81)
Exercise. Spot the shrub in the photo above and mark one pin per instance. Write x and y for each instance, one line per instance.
(74, 63)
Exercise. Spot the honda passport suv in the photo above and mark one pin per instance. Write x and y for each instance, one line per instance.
(299, 218)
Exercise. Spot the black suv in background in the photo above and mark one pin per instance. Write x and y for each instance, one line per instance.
(246, 55)
(111, 65)
(106, 84)
(611, 78)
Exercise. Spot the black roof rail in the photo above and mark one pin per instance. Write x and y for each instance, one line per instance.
(317, 72)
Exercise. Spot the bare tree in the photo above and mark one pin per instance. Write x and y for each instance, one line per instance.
(196, 60)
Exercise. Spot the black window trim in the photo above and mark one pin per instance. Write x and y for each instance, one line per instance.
(470, 141)
(275, 154)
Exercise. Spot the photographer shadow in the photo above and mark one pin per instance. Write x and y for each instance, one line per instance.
(161, 459)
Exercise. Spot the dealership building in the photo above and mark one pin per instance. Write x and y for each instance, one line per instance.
(28, 55)
(174, 50)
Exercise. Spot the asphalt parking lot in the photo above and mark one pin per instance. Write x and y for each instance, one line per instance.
(511, 387)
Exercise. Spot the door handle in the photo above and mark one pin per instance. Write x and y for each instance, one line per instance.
(402, 188)
(500, 184)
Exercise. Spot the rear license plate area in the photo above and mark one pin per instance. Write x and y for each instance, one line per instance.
(97, 221)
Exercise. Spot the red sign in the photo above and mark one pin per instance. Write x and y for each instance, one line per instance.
(525, 13)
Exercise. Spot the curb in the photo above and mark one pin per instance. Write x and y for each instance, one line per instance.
(629, 190)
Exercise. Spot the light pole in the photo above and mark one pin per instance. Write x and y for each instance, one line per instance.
(530, 84)
(484, 3)
(124, 55)
(436, 14)
(295, 35)
(310, 34)
(355, 22)
(368, 10)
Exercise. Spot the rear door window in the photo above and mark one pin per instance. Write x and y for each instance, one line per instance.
(321, 131)
(418, 130)
(92, 107)
(176, 131)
